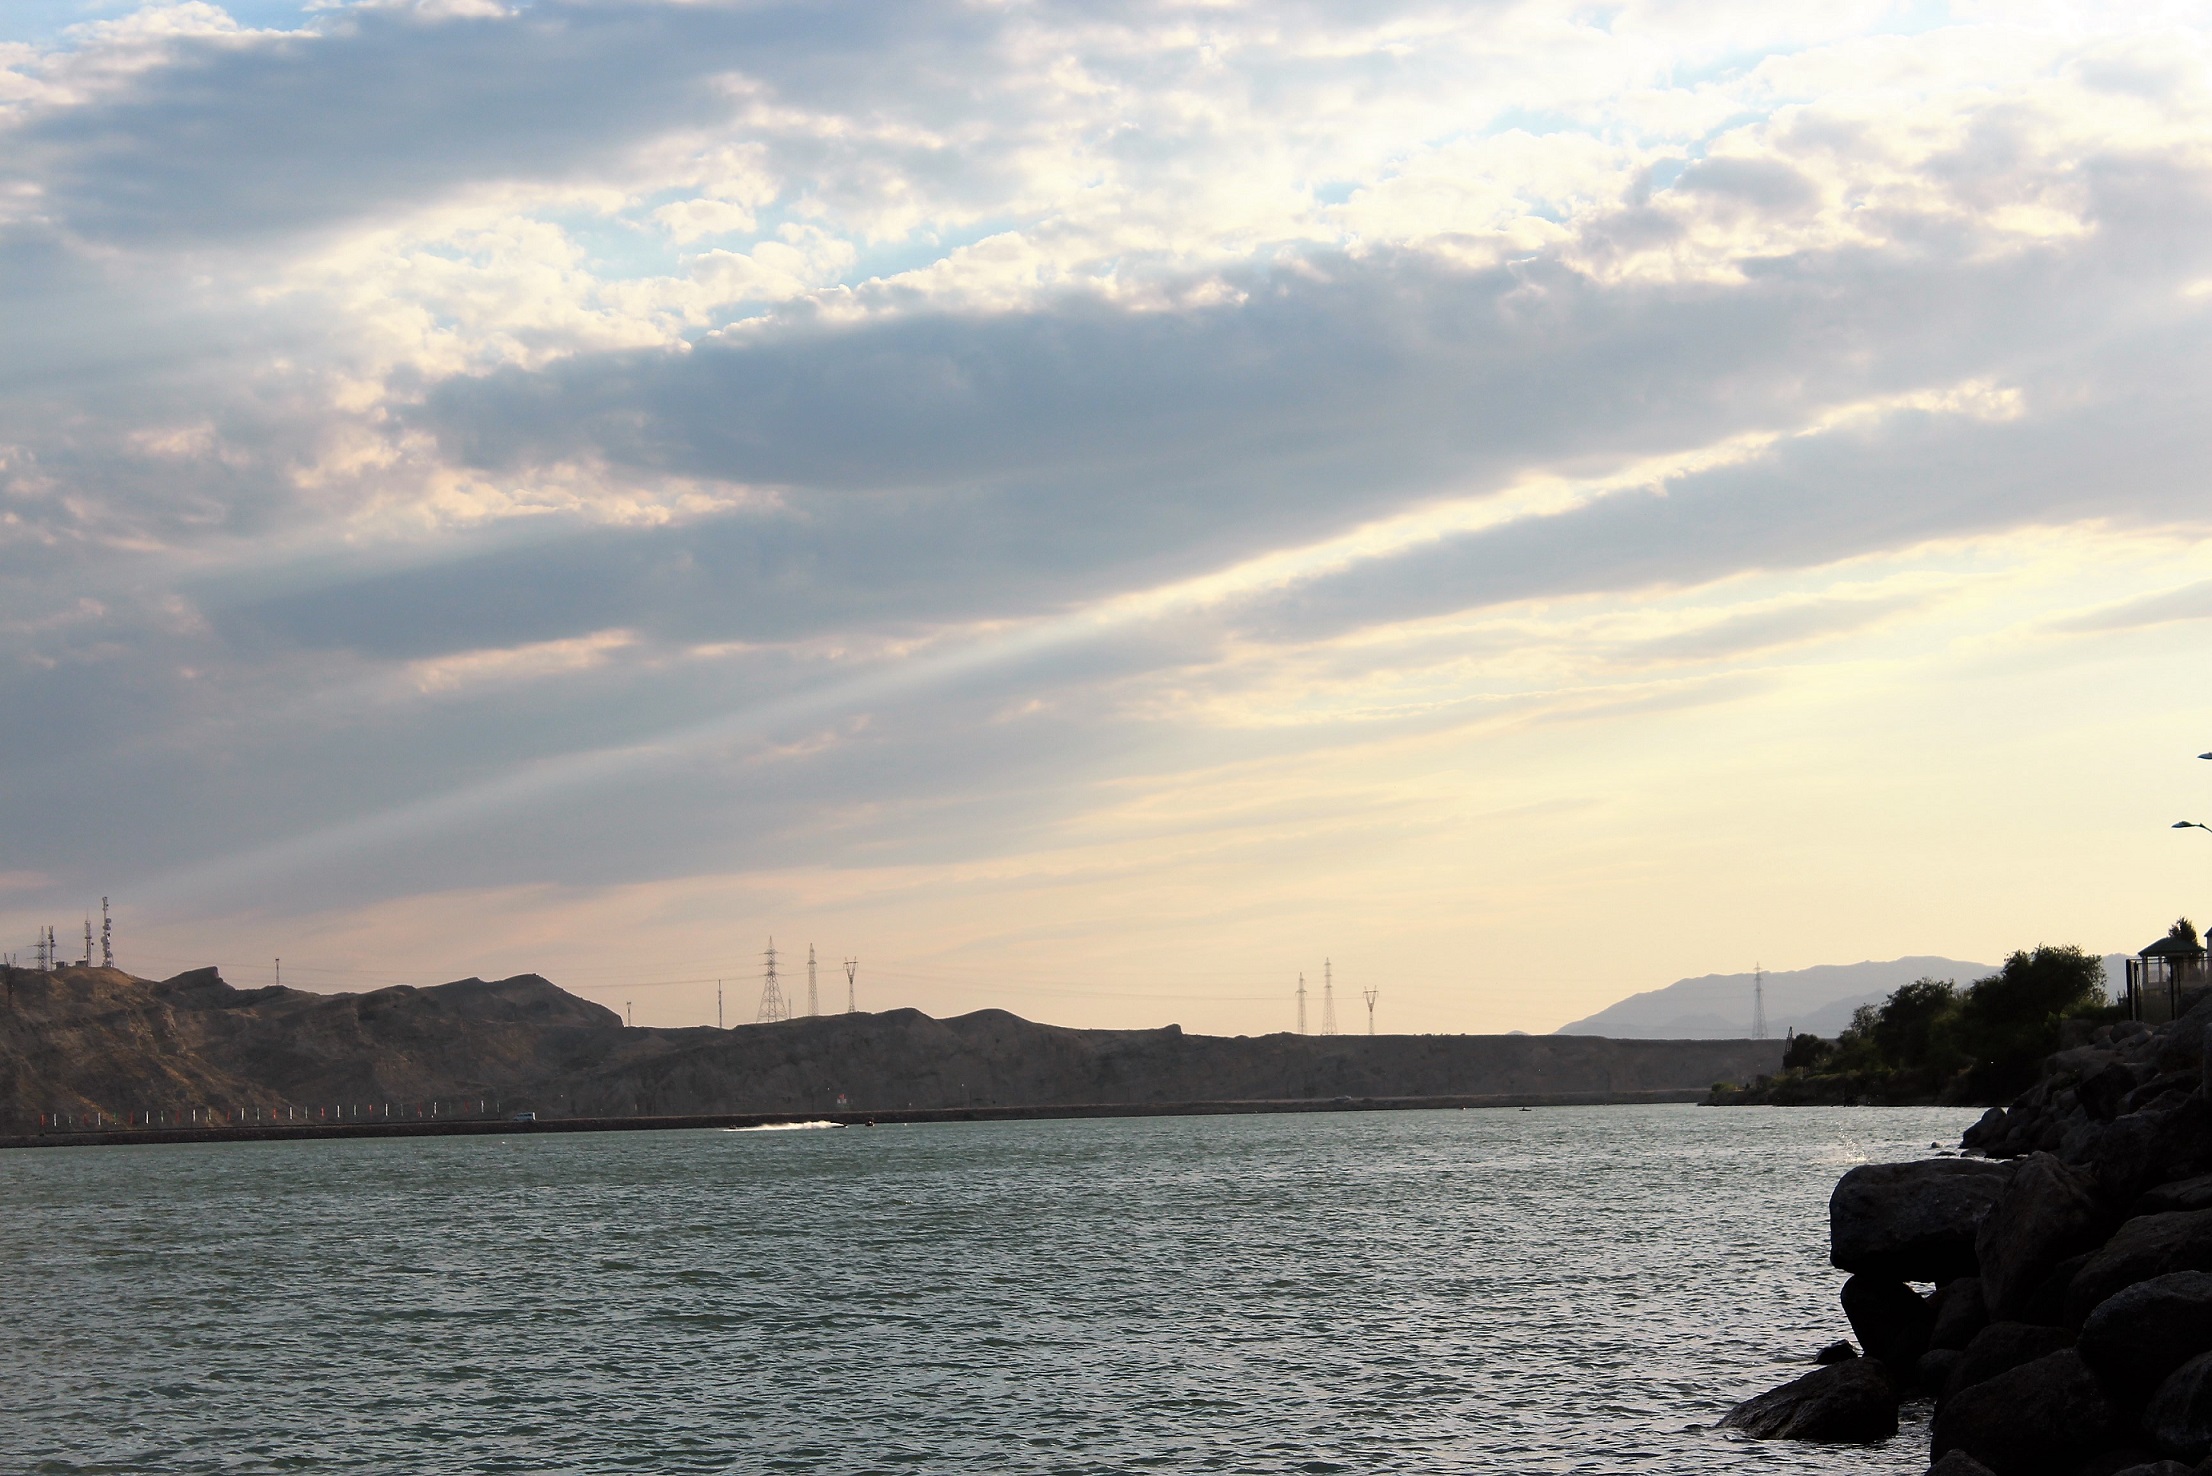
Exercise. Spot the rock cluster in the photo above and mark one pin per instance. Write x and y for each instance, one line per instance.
(2069, 1332)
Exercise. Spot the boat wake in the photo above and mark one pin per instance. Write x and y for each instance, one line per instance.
(783, 1127)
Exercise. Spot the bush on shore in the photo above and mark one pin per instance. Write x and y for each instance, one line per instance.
(1932, 1041)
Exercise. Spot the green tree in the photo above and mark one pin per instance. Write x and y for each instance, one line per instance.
(1806, 1052)
(1910, 1034)
(2009, 1021)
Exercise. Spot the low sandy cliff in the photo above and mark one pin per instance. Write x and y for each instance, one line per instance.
(2069, 1332)
(85, 1040)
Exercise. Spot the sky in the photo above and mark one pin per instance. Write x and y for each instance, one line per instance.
(1098, 510)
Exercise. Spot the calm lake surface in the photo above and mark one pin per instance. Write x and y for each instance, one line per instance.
(1566, 1289)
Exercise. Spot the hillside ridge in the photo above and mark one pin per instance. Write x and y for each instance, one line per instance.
(81, 1040)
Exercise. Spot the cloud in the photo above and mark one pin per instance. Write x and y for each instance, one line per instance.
(2190, 602)
(594, 443)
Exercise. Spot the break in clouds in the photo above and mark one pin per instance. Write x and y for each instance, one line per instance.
(451, 444)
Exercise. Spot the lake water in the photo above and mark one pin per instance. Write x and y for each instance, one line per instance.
(1566, 1289)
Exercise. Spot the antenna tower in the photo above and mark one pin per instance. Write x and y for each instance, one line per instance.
(1369, 996)
(852, 967)
(1328, 999)
(1758, 1003)
(813, 999)
(88, 942)
(107, 936)
(718, 1005)
(772, 1006)
(1301, 1002)
(41, 951)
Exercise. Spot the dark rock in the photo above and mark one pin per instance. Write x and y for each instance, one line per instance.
(1932, 1373)
(1891, 1319)
(2175, 1084)
(1839, 1351)
(2182, 1045)
(1988, 1129)
(2115, 1459)
(2155, 1468)
(2046, 1305)
(2178, 1419)
(1999, 1347)
(2182, 1194)
(2146, 1246)
(1912, 1221)
(2047, 1212)
(1959, 1463)
(2164, 1140)
(1958, 1311)
(2039, 1419)
(1852, 1403)
(2142, 1333)
(2103, 1090)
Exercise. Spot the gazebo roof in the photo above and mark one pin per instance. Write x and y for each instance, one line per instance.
(2172, 948)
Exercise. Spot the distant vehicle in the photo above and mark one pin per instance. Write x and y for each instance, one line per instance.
(525, 1117)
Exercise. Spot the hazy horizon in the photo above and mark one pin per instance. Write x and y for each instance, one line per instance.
(1096, 512)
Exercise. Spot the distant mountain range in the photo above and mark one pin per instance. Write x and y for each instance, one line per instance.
(1818, 1000)
(1718, 1006)
(85, 1040)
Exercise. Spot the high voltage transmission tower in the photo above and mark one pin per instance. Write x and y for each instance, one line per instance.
(1369, 996)
(852, 999)
(813, 997)
(1758, 1003)
(1301, 1002)
(1328, 998)
(772, 1006)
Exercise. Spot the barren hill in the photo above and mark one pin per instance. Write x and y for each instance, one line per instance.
(83, 1040)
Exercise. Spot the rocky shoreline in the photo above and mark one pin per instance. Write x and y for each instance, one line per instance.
(2068, 1246)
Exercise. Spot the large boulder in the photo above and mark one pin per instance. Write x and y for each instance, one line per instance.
(2182, 1194)
(2141, 1333)
(1912, 1221)
(2047, 1303)
(2146, 1246)
(1959, 1463)
(1932, 1373)
(2040, 1419)
(2001, 1346)
(2178, 1419)
(2102, 1091)
(2168, 1139)
(1849, 1403)
(1891, 1319)
(1959, 1313)
(2047, 1212)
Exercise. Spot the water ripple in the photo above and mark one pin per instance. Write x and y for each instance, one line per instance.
(1565, 1290)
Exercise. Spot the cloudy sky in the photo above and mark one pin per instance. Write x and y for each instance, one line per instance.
(1095, 509)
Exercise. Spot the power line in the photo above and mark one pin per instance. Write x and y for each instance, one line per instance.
(852, 969)
(1328, 998)
(1369, 996)
(1301, 1002)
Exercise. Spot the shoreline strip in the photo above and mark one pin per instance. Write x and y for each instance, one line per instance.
(470, 1127)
